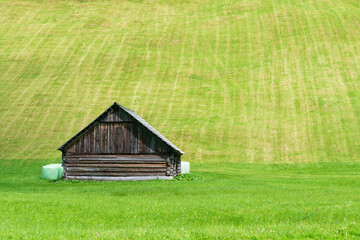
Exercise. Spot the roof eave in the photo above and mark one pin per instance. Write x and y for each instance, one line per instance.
(134, 115)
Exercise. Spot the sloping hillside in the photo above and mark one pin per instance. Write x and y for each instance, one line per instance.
(239, 81)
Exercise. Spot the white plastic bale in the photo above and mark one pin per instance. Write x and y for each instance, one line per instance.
(52, 171)
(185, 167)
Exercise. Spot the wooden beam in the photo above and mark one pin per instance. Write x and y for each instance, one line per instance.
(116, 174)
(114, 169)
(137, 178)
(116, 162)
(123, 165)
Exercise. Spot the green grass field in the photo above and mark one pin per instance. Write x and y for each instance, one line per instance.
(233, 201)
(263, 96)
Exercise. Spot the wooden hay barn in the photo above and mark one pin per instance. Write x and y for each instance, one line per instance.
(119, 145)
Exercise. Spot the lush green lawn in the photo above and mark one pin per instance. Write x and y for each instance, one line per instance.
(226, 81)
(235, 201)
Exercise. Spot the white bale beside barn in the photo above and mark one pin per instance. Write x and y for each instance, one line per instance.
(185, 167)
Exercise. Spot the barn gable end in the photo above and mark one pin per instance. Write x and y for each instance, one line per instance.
(119, 134)
(117, 138)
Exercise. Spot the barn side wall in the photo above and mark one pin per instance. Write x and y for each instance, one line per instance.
(110, 166)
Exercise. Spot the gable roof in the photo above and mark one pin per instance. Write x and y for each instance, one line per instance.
(132, 114)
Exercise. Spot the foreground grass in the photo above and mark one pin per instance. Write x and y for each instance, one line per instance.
(235, 201)
(231, 80)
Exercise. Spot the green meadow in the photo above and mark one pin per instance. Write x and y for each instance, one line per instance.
(263, 96)
(223, 201)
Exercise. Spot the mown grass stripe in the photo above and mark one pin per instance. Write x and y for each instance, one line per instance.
(268, 81)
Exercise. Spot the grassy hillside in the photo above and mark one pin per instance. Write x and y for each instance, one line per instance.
(237, 81)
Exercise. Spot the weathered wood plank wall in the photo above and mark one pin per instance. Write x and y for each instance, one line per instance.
(116, 165)
(120, 137)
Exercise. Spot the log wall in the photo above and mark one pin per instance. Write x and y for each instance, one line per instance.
(118, 165)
